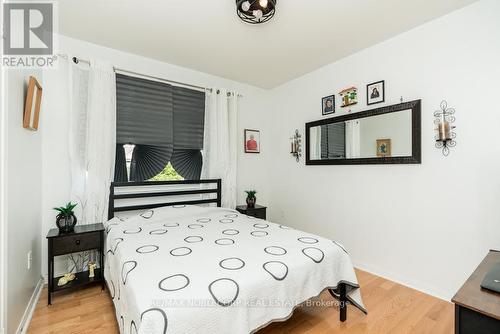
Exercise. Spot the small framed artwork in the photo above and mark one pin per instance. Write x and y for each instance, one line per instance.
(32, 105)
(375, 92)
(252, 141)
(328, 105)
(383, 147)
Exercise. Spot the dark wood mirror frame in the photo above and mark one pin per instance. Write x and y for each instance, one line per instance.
(416, 156)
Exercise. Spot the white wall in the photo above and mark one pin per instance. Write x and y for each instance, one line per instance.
(426, 225)
(23, 194)
(253, 112)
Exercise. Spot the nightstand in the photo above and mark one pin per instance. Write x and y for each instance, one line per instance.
(84, 238)
(258, 211)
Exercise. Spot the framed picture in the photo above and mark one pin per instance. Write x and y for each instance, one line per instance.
(375, 92)
(383, 147)
(349, 96)
(32, 105)
(328, 105)
(252, 141)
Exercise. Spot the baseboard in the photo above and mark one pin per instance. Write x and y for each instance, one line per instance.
(30, 309)
(392, 277)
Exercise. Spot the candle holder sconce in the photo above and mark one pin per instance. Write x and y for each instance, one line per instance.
(296, 145)
(445, 136)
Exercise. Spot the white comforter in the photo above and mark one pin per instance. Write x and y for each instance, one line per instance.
(195, 269)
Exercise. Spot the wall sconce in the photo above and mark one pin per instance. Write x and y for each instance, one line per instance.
(296, 145)
(445, 137)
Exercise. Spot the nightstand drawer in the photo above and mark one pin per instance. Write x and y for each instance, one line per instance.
(257, 213)
(76, 243)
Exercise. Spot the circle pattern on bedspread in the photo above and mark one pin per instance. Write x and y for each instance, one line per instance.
(231, 215)
(193, 238)
(204, 220)
(113, 249)
(174, 283)
(340, 246)
(110, 226)
(278, 270)
(181, 251)
(261, 225)
(147, 214)
(171, 224)
(139, 230)
(159, 231)
(162, 313)
(314, 254)
(224, 291)
(224, 241)
(226, 221)
(308, 240)
(275, 250)
(133, 328)
(232, 263)
(230, 232)
(195, 226)
(285, 227)
(147, 249)
(259, 233)
(127, 268)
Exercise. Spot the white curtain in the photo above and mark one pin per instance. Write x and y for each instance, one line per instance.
(352, 139)
(315, 145)
(220, 142)
(92, 142)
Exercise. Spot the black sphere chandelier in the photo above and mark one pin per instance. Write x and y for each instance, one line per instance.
(255, 11)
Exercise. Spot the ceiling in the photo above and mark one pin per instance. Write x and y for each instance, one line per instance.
(208, 36)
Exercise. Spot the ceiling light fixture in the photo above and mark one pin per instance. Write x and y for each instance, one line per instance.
(255, 11)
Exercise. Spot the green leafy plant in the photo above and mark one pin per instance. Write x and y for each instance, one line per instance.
(251, 193)
(66, 210)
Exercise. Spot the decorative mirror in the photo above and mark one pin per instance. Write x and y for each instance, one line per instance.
(387, 135)
(32, 106)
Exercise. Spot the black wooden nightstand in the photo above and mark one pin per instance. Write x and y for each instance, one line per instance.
(85, 237)
(258, 211)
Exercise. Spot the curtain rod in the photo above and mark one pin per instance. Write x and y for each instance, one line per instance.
(177, 83)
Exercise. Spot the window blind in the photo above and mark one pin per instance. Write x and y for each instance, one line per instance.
(333, 141)
(165, 123)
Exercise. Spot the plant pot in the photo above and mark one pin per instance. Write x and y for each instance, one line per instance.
(66, 223)
(251, 202)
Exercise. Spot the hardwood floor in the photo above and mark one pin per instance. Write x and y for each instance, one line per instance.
(392, 309)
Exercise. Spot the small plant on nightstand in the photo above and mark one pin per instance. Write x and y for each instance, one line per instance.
(251, 199)
(66, 219)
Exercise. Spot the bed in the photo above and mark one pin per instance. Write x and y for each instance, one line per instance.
(173, 266)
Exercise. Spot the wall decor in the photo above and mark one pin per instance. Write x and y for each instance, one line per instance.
(349, 96)
(252, 141)
(375, 92)
(328, 105)
(383, 147)
(296, 145)
(32, 105)
(445, 136)
(351, 139)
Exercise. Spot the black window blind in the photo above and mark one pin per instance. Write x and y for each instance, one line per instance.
(164, 122)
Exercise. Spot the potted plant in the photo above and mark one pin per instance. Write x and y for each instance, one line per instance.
(66, 219)
(251, 199)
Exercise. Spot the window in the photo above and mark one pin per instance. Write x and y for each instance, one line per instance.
(159, 130)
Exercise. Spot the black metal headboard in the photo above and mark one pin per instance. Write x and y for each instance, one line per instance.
(148, 191)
